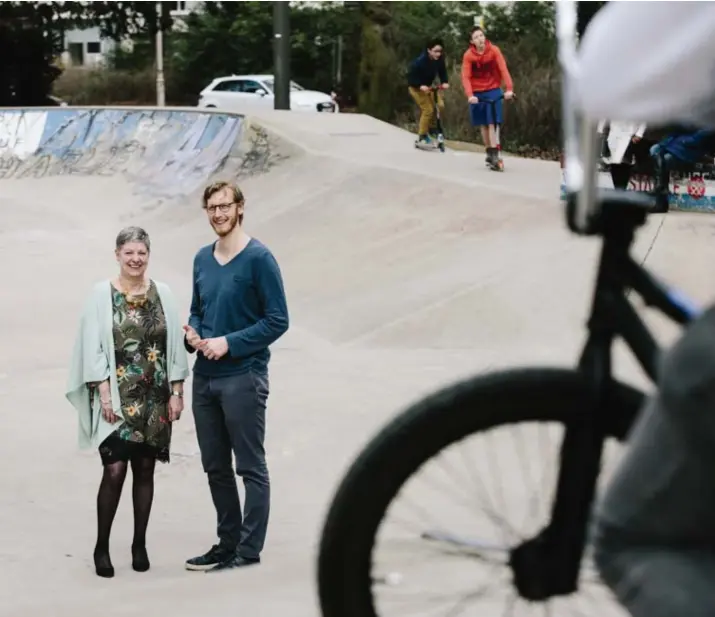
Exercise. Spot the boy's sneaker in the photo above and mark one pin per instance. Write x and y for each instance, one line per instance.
(216, 554)
(424, 139)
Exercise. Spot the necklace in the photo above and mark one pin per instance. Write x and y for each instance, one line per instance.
(135, 300)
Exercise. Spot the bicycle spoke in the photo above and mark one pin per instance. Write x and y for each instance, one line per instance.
(491, 511)
(509, 533)
(502, 501)
(447, 526)
(455, 602)
(472, 548)
(464, 602)
(549, 473)
(520, 448)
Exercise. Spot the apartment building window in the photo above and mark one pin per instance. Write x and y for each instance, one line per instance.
(181, 9)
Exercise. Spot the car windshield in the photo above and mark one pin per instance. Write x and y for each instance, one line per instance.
(293, 86)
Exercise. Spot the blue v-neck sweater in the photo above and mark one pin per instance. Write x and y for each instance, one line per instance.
(243, 300)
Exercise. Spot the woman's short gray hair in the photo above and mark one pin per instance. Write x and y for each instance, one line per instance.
(133, 234)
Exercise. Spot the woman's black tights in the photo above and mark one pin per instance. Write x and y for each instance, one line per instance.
(110, 490)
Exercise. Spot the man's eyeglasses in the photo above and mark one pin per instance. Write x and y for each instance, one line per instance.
(222, 207)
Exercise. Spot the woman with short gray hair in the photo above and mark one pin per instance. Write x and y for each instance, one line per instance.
(126, 382)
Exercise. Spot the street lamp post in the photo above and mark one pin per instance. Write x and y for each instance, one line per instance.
(281, 54)
(160, 84)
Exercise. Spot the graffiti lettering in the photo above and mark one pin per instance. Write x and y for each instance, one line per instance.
(641, 183)
(20, 132)
(9, 166)
(689, 190)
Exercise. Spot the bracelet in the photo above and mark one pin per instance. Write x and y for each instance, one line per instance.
(177, 393)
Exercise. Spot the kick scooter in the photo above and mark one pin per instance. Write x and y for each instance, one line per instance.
(437, 134)
(497, 165)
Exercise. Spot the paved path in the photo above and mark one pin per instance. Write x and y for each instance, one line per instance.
(404, 270)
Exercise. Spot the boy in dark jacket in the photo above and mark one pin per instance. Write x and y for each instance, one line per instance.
(422, 73)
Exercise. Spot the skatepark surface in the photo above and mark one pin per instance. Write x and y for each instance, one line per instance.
(404, 271)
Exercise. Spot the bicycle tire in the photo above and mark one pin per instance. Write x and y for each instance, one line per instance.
(419, 433)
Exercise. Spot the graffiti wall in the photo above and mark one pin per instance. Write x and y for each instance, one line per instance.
(164, 152)
(687, 191)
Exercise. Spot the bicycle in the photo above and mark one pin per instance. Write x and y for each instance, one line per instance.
(591, 405)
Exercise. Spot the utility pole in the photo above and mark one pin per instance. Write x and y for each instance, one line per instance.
(160, 85)
(281, 54)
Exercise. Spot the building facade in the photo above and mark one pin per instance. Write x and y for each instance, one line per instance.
(86, 47)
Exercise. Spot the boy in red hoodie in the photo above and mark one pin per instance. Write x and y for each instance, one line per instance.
(483, 72)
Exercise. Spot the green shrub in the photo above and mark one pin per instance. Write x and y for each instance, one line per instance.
(97, 86)
(100, 86)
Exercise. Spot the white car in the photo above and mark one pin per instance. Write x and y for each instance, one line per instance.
(237, 92)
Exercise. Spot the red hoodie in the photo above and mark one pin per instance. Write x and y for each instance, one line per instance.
(484, 71)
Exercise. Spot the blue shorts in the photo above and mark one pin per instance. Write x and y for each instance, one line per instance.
(488, 110)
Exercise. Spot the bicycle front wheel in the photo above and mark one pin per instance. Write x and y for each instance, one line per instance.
(372, 525)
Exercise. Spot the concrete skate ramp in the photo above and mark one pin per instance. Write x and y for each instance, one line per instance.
(404, 270)
(161, 153)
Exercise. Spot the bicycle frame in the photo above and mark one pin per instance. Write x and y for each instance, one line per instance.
(549, 564)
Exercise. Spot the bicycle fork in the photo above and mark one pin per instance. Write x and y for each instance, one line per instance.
(549, 564)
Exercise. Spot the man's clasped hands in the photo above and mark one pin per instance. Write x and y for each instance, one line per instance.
(212, 348)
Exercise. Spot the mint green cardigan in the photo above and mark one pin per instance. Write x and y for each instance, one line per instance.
(93, 360)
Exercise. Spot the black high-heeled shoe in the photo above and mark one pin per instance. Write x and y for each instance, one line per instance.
(103, 564)
(140, 559)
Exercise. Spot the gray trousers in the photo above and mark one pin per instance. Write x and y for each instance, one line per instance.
(230, 417)
(654, 528)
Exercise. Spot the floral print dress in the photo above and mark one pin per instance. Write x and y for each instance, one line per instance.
(139, 328)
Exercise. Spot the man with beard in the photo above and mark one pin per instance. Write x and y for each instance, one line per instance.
(238, 309)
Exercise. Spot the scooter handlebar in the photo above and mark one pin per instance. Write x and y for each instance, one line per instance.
(499, 97)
